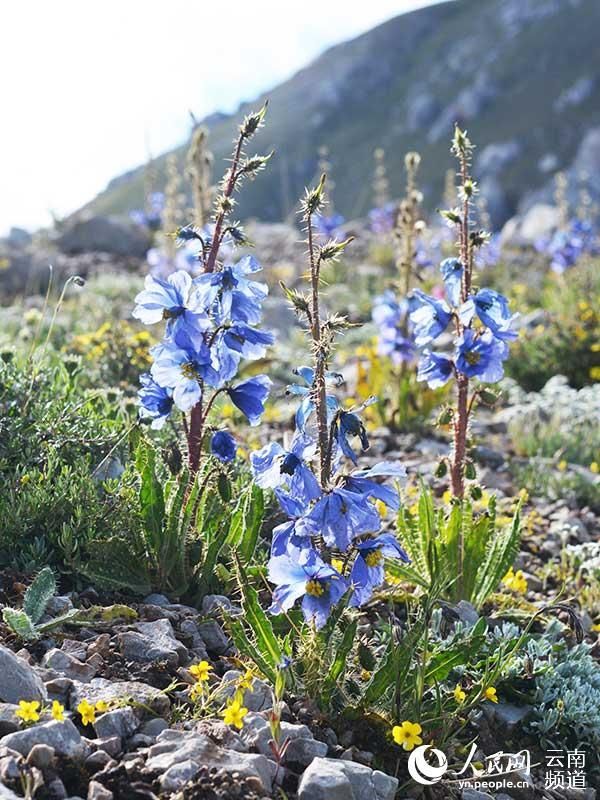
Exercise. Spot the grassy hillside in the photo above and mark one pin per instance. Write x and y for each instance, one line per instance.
(497, 66)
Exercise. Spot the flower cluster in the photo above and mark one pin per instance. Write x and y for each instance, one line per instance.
(332, 545)
(382, 220)
(567, 246)
(211, 325)
(482, 324)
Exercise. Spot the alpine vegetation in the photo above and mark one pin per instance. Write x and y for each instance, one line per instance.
(211, 324)
(332, 545)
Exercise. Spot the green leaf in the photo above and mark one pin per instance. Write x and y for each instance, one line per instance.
(339, 662)
(18, 621)
(70, 615)
(152, 501)
(246, 522)
(267, 644)
(38, 595)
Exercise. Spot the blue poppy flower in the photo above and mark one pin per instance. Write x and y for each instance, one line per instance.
(492, 309)
(368, 569)
(223, 446)
(273, 467)
(340, 516)
(250, 397)
(452, 272)
(318, 584)
(239, 341)
(481, 356)
(307, 407)
(349, 424)
(180, 366)
(284, 540)
(173, 300)
(156, 401)
(328, 226)
(429, 316)
(389, 315)
(362, 482)
(230, 295)
(435, 368)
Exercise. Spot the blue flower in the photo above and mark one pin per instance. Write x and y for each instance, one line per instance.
(349, 424)
(319, 585)
(481, 356)
(339, 517)
(429, 316)
(306, 407)
(434, 368)
(452, 272)
(383, 220)
(362, 482)
(174, 300)
(240, 341)
(230, 295)
(328, 226)
(156, 401)
(250, 397)
(180, 366)
(389, 316)
(273, 467)
(368, 569)
(492, 309)
(285, 540)
(223, 446)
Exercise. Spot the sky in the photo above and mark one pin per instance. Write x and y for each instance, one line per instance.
(91, 89)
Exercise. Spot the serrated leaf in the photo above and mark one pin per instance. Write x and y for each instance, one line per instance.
(18, 621)
(38, 594)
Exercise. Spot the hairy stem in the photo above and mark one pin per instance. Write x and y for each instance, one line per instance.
(228, 191)
(319, 389)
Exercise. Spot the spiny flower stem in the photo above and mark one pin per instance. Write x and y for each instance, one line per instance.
(228, 191)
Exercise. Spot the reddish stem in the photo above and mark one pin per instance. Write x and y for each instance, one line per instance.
(229, 188)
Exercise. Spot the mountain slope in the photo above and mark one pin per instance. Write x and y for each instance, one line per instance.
(521, 75)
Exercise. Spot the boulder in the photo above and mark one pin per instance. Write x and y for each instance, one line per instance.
(333, 779)
(62, 736)
(120, 237)
(153, 641)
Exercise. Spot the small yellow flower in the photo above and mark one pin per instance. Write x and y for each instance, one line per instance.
(247, 680)
(407, 734)
(523, 495)
(58, 711)
(101, 706)
(365, 675)
(459, 694)
(234, 714)
(562, 465)
(595, 373)
(196, 692)
(596, 627)
(87, 712)
(595, 467)
(28, 710)
(515, 581)
(490, 694)
(25, 479)
(201, 671)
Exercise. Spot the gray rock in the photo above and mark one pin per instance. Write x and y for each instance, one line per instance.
(215, 604)
(8, 794)
(106, 235)
(331, 779)
(189, 628)
(153, 641)
(58, 689)
(506, 714)
(75, 648)
(19, 679)
(121, 722)
(96, 791)
(178, 775)
(134, 691)
(111, 746)
(467, 612)
(8, 721)
(541, 220)
(489, 457)
(97, 761)
(171, 749)
(495, 157)
(154, 726)
(303, 746)
(62, 736)
(41, 756)
(258, 698)
(157, 600)
(68, 665)
(214, 637)
(57, 605)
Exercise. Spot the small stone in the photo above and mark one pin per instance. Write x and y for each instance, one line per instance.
(101, 646)
(179, 774)
(68, 666)
(214, 605)
(129, 691)
(302, 747)
(62, 736)
(57, 605)
(8, 721)
(120, 722)
(97, 761)
(112, 746)
(41, 756)
(9, 769)
(154, 726)
(214, 637)
(57, 789)
(96, 791)
(19, 679)
(153, 641)
(75, 648)
(7, 794)
(156, 600)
